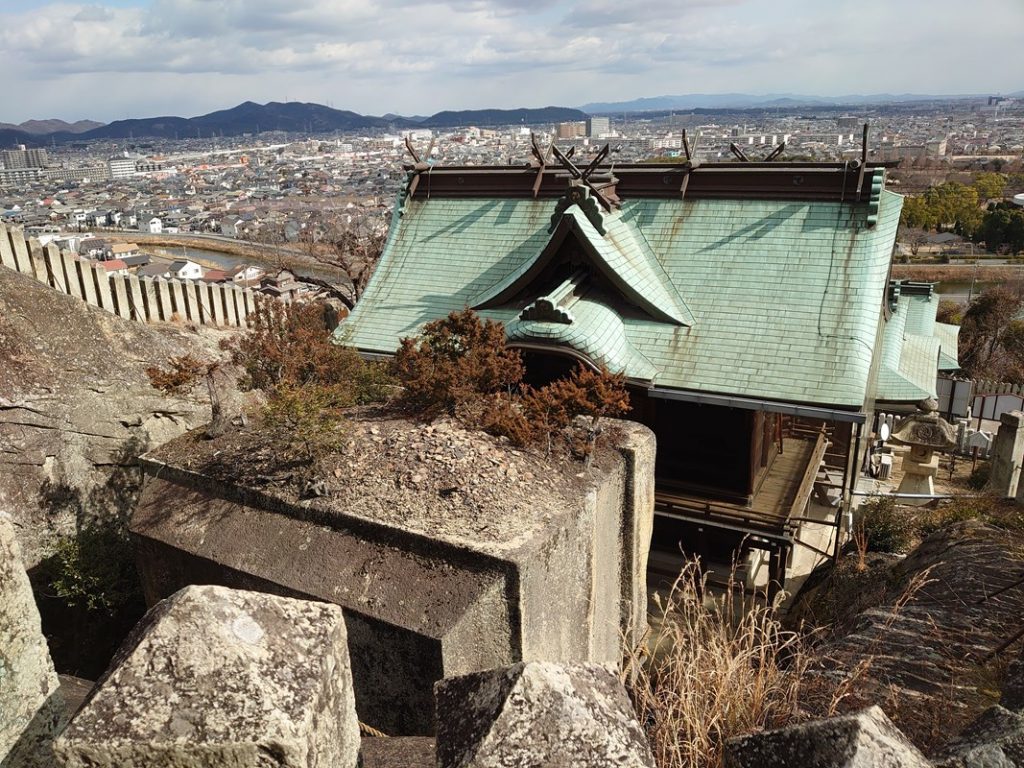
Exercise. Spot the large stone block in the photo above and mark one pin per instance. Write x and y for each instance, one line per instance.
(219, 677)
(28, 682)
(866, 739)
(449, 552)
(536, 715)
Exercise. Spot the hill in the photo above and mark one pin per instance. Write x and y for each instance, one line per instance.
(293, 117)
(43, 127)
(247, 117)
(452, 119)
(746, 100)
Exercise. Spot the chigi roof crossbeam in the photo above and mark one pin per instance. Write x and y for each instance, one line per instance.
(841, 182)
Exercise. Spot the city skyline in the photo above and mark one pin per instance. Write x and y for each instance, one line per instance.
(117, 59)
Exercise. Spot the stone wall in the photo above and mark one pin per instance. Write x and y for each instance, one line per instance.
(133, 298)
(426, 594)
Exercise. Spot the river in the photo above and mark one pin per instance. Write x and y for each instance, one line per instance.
(218, 260)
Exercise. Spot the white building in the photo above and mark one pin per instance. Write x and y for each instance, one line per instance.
(121, 167)
(154, 226)
(185, 269)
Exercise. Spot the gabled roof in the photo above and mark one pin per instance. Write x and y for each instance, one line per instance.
(619, 253)
(783, 295)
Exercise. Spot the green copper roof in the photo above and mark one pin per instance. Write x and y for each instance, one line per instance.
(914, 348)
(783, 296)
(949, 339)
(597, 332)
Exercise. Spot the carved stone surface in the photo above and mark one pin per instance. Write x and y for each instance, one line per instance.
(925, 430)
(221, 677)
(867, 739)
(538, 714)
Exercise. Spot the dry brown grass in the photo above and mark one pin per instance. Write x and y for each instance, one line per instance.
(711, 669)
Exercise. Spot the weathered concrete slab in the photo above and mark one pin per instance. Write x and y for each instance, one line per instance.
(538, 714)
(218, 677)
(469, 557)
(994, 740)
(36, 262)
(19, 244)
(28, 682)
(6, 251)
(103, 290)
(178, 298)
(866, 739)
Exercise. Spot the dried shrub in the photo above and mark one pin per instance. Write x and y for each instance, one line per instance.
(290, 344)
(989, 508)
(461, 366)
(183, 374)
(287, 352)
(978, 478)
(454, 362)
(886, 526)
(710, 670)
(306, 422)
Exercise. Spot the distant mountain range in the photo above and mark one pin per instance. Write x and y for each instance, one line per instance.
(299, 117)
(254, 118)
(766, 101)
(52, 126)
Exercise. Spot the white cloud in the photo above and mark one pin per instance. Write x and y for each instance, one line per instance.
(104, 58)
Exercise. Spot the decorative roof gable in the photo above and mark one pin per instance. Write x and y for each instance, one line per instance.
(616, 250)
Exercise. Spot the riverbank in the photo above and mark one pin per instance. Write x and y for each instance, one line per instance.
(216, 252)
(939, 273)
(243, 249)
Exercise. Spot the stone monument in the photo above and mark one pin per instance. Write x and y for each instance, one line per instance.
(925, 432)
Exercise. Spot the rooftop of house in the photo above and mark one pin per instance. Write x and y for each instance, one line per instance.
(756, 280)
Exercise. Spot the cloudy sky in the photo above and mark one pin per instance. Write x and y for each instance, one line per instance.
(112, 59)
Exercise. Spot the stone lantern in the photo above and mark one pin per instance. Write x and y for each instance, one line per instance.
(924, 432)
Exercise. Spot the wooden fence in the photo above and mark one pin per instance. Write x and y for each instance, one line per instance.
(146, 299)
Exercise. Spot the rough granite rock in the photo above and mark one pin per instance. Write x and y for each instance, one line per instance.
(866, 739)
(928, 647)
(994, 740)
(215, 677)
(76, 408)
(28, 682)
(538, 714)
(1013, 686)
(398, 752)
